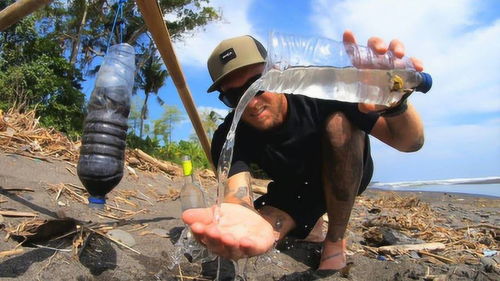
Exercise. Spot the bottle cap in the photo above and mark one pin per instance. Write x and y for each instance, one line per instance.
(187, 165)
(426, 83)
(97, 200)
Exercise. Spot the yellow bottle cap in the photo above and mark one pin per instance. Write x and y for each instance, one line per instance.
(187, 167)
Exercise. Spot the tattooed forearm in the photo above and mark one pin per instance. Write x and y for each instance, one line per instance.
(240, 195)
(239, 190)
(242, 192)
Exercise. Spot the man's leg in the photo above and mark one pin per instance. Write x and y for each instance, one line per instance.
(343, 147)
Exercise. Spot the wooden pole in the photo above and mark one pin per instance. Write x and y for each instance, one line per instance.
(18, 10)
(156, 25)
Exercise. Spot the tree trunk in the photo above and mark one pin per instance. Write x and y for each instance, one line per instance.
(76, 42)
(143, 112)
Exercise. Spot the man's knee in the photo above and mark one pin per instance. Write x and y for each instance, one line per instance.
(339, 131)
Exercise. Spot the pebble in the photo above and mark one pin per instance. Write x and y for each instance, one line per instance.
(122, 236)
(414, 255)
(489, 253)
(488, 264)
(161, 232)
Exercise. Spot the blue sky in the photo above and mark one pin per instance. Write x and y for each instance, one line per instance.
(458, 41)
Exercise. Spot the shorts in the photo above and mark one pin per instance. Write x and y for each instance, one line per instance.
(306, 204)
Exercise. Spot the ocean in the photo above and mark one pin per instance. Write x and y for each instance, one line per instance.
(489, 186)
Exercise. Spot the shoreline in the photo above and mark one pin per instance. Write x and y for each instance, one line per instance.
(470, 195)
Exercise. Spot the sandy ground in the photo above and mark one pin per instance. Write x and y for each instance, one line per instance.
(152, 255)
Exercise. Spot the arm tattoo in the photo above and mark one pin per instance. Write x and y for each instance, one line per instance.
(240, 196)
(242, 192)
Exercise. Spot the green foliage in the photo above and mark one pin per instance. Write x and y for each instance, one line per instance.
(150, 78)
(44, 56)
(34, 74)
(148, 145)
(171, 152)
(165, 125)
(210, 121)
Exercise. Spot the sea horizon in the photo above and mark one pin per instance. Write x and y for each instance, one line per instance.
(485, 186)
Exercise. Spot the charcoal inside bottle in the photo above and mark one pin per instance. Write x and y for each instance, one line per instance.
(100, 167)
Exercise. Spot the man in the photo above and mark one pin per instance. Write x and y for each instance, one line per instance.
(316, 152)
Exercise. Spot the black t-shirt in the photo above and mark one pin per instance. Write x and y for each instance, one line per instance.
(291, 154)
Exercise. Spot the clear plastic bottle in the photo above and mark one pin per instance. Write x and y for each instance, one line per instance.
(191, 197)
(328, 69)
(100, 167)
(191, 194)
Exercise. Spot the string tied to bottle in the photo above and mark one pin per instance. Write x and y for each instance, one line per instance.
(118, 20)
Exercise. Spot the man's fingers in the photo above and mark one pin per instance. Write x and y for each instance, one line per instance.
(348, 37)
(419, 66)
(198, 229)
(377, 45)
(200, 215)
(397, 48)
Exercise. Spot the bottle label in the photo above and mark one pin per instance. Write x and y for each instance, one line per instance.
(187, 167)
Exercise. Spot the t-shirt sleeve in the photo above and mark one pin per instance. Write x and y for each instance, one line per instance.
(240, 161)
(365, 121)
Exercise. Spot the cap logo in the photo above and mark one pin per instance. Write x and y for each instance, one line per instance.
(227, 55)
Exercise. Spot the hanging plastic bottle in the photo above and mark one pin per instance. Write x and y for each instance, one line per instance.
(100, 167)
(191, 194)
(328, 69)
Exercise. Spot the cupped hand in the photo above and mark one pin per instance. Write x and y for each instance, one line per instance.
(240, 231)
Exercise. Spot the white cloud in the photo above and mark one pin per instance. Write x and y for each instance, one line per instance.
(461, 54)
(195, 50)
(449, 152)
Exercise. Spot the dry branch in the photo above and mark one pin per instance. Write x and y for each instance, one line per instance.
(17, 214)
(401, 249)
(11, 253)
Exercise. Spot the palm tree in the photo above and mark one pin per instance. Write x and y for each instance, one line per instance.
(151, 77)
(210, 121)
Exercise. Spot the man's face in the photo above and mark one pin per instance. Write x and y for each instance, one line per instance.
(263, 112)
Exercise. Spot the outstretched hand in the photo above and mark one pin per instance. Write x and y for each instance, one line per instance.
(240, 231)
(378, 46)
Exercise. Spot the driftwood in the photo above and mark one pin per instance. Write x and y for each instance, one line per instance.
(162, 165)
(17, 214)
(438, 257)
(11, 253)
(401, 249)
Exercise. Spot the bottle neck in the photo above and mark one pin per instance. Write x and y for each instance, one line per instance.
(188, 178)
